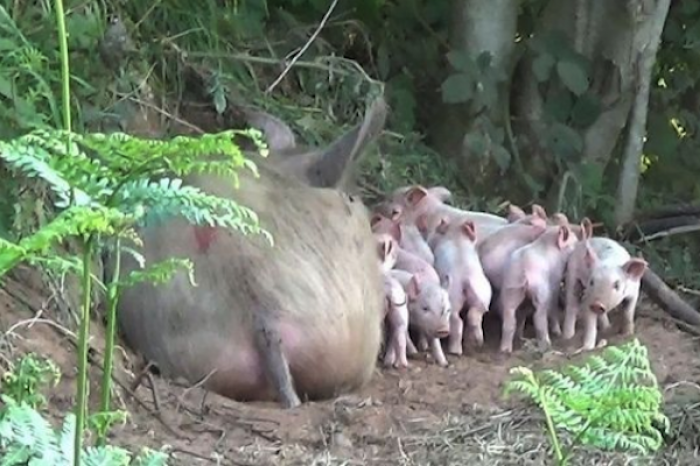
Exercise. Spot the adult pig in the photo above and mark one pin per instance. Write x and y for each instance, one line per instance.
(298, 320)
(600, 276)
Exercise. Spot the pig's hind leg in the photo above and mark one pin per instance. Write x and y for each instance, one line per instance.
(511, 299)
(544, 302)
(268, 343)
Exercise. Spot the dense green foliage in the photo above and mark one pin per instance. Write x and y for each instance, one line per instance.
(26, 437)
(612, 401)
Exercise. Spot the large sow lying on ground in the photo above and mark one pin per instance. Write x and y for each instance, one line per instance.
(298, 320)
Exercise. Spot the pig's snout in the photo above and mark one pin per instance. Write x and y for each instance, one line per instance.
(597, 308)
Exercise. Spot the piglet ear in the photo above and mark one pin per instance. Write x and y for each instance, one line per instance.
(635, 268)
(413, 288)
(540, 223)
(416, 194)
(560, 219)
(538, 211)
(563, 236)
(590, 256)
(443, 226)
(586, 228)
(469, 229)
(515, 213)
(440, 192)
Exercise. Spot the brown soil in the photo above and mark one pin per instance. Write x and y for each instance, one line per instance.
(425, 415)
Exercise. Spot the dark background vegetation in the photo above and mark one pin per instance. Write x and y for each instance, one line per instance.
(544, 115)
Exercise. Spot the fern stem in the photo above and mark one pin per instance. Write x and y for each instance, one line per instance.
(561, 459)
(113, 297)
(81, 404)
(65, 66)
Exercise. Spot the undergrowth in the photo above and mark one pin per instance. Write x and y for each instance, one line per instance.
(612, 402)
(28, 438)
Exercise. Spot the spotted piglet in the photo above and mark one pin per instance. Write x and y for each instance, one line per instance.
(601, 275)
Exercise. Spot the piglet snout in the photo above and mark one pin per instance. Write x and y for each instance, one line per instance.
(597, 308)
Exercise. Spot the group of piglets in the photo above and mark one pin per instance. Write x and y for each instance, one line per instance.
(444, 267)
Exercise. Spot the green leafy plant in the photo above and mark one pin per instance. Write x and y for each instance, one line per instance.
(26, 437)
(612, 402)
(23, 382)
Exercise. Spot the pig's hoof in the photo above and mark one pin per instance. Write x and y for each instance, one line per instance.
(501, 357)
(291, 401)
(455, 349)
(443, 363)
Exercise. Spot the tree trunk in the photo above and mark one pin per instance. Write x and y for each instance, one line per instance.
(477, 26)
(604, 32)
(649, 37)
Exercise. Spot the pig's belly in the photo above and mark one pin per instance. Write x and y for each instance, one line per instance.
(317, 364)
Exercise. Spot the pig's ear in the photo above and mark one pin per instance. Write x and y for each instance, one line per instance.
(586, 228)
(443, 226)
(440, 192)
(538, 211)
(469, 229)
(590, 256)
(560, 219)
(278, 134)
(635, 268)
(563, 236)
(416, 194)
(413, 288)
(515, 213)
(538, 222)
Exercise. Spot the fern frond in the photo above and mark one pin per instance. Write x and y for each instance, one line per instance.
(165, 198)
(613, 401)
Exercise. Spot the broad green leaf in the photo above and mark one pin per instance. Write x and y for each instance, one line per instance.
(586, 110)
(558, 105)
(573, 76)
(662, 139)
(542, 66)
(475, 143)
(457, 88)
(565, 142)
(460, 60)
(502, 157)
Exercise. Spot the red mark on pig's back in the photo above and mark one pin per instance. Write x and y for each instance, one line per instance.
(204, 236)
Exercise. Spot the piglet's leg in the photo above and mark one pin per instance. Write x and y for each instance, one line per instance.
(410, 347)
(436, 350)
(571, 307)
(475, 322)
(275, 365)
(510, 300)
(423, 344)
(554, 325)
(604, 322)
(543, 306)
(400, 343)
(590, 329)
(628, 311)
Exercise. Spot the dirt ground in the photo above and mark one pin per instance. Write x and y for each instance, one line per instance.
(425, 415)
